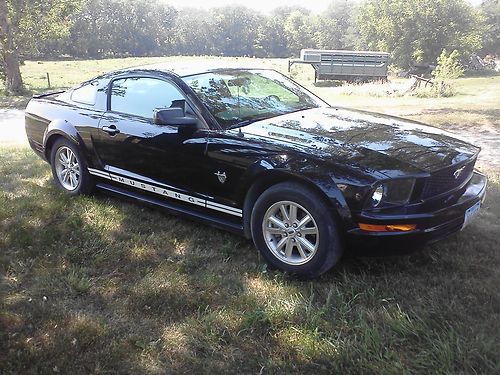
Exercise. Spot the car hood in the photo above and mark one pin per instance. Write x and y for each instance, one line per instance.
(387, 144)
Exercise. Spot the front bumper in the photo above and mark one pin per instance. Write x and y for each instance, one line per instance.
(431, 226)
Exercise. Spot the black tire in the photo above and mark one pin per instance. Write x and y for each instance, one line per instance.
(84, 184)
(328, 243)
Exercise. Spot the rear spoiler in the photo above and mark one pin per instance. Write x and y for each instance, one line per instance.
(47, 93)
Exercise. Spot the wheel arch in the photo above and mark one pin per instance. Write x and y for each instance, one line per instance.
(328, 193)
(60, 129)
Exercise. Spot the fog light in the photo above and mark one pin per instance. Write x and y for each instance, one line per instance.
(387, 228)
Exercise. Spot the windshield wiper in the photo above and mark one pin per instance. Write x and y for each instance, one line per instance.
(247, 122)
(255, 119)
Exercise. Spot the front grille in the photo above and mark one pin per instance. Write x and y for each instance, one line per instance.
(444, 180)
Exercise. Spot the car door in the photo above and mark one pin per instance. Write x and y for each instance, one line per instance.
(130, 144)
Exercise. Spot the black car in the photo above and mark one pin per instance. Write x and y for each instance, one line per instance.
(255, 153)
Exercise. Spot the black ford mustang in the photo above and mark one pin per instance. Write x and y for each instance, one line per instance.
(253, 152)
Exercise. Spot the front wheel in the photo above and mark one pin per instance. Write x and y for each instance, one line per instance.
(69, 168)
(295, 231)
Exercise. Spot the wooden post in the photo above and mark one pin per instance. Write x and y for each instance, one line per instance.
(48, 79)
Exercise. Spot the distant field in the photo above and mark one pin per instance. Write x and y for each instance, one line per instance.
(101, 285)
(478, 99)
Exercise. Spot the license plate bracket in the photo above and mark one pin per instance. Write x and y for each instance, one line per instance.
(470, 212)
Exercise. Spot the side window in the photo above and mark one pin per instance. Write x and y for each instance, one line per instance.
(141, 96)
(85, 94)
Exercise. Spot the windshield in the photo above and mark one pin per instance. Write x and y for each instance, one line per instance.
(238, 97)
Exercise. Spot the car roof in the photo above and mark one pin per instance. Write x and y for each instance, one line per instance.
(188, 68)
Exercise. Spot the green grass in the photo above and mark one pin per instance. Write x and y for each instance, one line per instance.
(98, 284)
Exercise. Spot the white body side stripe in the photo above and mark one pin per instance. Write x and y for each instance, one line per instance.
(167, 192)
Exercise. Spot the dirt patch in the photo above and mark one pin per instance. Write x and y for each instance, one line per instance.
(479, 127)
(487, 137)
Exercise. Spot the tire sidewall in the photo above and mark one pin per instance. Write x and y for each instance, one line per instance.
(330, 244)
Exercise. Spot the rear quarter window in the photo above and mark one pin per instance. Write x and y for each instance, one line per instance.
(85, 94)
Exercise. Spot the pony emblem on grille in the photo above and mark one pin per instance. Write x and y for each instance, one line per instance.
(458, 172)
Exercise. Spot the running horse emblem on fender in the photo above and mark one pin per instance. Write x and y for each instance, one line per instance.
(221, 176)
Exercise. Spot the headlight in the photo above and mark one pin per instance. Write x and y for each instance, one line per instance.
(377, 196)
(392, 193)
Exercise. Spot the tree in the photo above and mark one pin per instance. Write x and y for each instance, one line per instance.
(119, 28)
(419, 29)
(235, 29)
(300, 31)
(285, 11)
(20, 20)
(342, 31)
(271, 38)
(193, 33)
(491, 36)
(448, 66)
(9, 59)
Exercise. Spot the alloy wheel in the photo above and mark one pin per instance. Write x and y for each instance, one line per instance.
(67, 168)
(290, 232)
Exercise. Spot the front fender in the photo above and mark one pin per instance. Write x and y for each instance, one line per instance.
(324, 181)
(265, 173)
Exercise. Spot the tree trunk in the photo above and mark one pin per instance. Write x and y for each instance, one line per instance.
(8, 54)
(13, 80)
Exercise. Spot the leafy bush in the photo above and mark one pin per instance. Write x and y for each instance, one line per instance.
(448, 66)
(438, 90)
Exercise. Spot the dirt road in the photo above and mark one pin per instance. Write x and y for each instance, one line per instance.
(12, 127)
(488, 138)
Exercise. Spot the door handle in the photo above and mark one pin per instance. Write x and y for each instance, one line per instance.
(111, 129)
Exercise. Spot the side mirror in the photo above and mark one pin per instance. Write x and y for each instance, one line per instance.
(174, 116)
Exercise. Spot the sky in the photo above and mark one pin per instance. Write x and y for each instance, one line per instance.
(264, 6)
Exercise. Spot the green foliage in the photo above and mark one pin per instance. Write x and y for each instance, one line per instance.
(24, 26)
(411, 30)
(234, 29)
(491, 36)
(419, 29)
(438, 90)
(107, 28)
(300, 31)
(448, 66)
(45, 19)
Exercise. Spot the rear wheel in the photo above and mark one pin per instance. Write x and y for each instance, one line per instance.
(69, 168)
(295, 231)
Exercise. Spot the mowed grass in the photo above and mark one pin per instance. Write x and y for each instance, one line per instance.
(96, 284)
